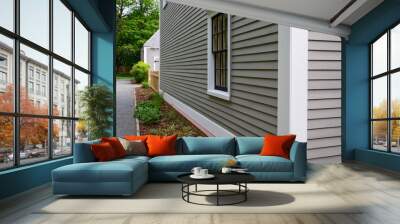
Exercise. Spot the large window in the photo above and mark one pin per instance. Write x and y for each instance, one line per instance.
(219, 55)
(219, 49)
(44, 64)
(385, 91)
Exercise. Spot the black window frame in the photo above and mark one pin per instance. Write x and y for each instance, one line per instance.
(388, 74)
(16, 115)
(220, 52)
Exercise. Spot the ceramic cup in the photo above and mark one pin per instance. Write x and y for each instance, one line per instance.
(226, 170)
(203, 172)
(196, 171)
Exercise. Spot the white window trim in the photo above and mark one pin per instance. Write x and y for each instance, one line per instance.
(210, 61)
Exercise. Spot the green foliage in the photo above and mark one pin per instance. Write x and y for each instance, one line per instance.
(140, 71)
(148, 112)
(97, 104)
(137, 21)
(157, 99)
(145, 84)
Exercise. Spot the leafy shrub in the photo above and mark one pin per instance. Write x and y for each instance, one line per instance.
(140, 71)
(148, 112)
(145, 85)
(157, 99)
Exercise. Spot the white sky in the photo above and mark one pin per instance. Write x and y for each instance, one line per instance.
(35, 27)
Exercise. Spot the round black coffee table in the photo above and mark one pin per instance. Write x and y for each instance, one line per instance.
(238, 179)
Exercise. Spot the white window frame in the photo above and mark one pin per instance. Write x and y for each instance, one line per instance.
(225, 95)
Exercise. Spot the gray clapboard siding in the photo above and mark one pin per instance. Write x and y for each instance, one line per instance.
(324, 98)
(252, 110)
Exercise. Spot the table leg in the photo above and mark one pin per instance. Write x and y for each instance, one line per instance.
(195, 188)
(245, 193)
(217, 194)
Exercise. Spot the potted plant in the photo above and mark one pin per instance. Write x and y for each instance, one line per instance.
(96, 102)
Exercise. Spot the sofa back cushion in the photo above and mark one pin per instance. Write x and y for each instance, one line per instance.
(83, 152)
(249, 145)
(207, 145)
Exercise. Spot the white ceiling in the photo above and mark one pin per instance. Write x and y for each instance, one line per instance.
(319, 9)
(313, 15)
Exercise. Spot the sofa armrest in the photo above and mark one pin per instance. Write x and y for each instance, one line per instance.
(298, 155)
(83, 152)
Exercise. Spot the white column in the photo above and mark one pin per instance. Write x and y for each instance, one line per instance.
(292, 81)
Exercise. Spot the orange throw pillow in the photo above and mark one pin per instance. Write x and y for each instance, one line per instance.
(116, 145)
(136, 138)
(103, 152)
(277, 145)
(161, 145)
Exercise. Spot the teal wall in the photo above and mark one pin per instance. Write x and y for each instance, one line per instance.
(99, 15)
(24, 178)
(356, 103)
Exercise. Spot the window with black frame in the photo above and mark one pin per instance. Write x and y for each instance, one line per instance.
(219, 50)
(45, 63)
(385, 91)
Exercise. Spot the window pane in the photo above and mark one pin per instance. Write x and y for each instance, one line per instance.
(395, 136)
(62, 89)
(62, 138)
(379, 56)
(217, 60)
(81, 131)
(7, 14)
(214, 43)
(81, 82)
(34, 72)
(379, 98)
(379, 135)
(62, 29)
(395, 47)
(35, 21)
(6, 142)
(6, 74)
(81, 45)
(33, 139)
(395, 94)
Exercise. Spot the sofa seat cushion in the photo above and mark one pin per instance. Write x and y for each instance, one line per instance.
(185, 163)
(257, 163)
(112, 171)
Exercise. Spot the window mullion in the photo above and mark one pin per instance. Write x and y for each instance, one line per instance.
(16, 84)
(389, 101)
(50, 81)
(73, 81)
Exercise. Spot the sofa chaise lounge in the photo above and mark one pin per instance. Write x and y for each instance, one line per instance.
(125, 176)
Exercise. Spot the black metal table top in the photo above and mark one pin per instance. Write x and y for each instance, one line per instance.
(220, 178)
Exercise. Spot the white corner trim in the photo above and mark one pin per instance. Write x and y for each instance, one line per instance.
(210, 61)
(293, 81)
(209, 127)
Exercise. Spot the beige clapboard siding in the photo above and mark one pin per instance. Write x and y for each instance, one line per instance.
(252, 110)
(324, 98)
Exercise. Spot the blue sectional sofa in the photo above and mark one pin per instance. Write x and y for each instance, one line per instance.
(125, 176)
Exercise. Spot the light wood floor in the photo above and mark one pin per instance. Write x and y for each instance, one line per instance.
(379, 189)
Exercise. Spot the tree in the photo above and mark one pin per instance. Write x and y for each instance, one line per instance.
(33, 131)
(380, 127)
(137, 21)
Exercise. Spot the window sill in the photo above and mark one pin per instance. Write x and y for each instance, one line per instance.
(33, 165)
(219, 94)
